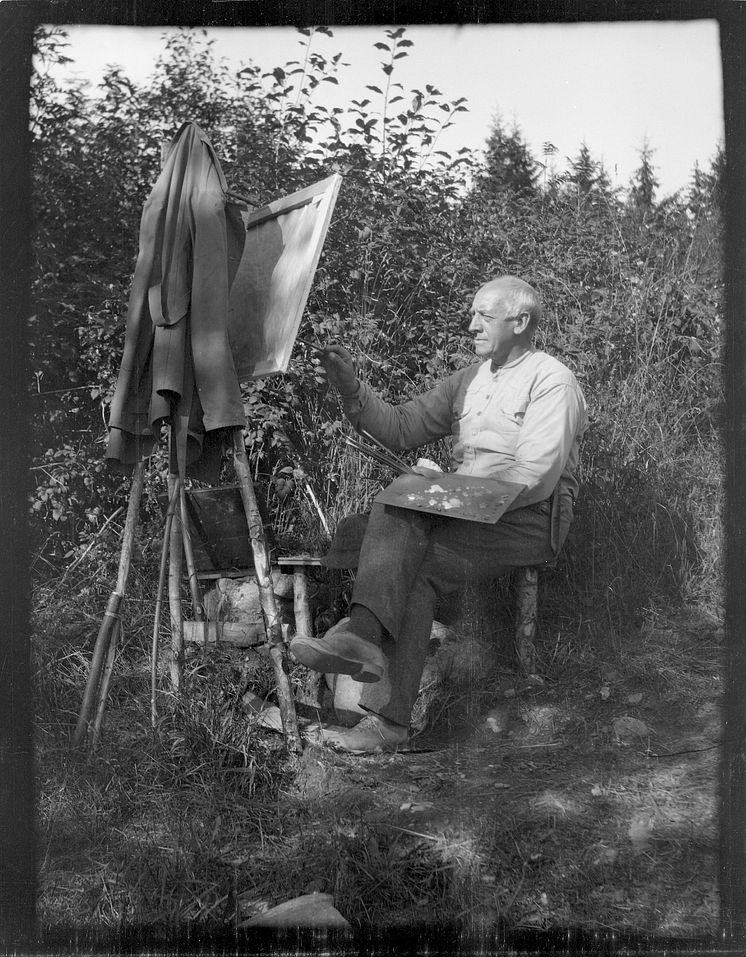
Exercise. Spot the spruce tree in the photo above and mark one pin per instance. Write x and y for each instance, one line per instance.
(706, 187)
(509, 166)
(587, 174)
(643, 183)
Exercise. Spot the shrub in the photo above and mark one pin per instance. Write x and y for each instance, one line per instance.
(632, 288)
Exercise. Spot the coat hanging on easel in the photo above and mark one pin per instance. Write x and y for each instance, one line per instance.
(177, 363)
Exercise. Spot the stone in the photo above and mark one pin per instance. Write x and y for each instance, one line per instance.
(498, 719)
(237, 599)
(346, 694)
(440, 633)
(542, 720)
(627, 727)
(309, 910)
(458, 659)
(266, 714)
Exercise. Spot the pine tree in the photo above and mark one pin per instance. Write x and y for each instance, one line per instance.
(706, 188)
(587, 180)
(509, 165)
(644, 183)
(586, 173)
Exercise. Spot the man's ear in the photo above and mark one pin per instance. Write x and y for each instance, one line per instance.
(522, 323)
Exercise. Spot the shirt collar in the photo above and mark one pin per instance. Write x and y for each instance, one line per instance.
(513, 362)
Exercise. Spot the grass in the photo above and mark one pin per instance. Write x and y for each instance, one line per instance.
(207, 821)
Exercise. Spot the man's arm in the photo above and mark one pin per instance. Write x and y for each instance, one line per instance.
(407, 426)
(554, 419)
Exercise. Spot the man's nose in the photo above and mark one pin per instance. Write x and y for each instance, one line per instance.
(474, 323)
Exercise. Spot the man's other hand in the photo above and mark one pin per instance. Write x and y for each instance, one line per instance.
(340, 368)
(426, 472)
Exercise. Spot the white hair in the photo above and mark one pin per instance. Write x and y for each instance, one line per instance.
(519, 297)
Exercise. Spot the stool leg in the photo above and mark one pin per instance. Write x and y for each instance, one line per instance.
(526, 601)
(303, 623)
(304, 626)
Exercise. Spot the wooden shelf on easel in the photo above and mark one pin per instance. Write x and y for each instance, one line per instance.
(311, 561)
(285, 561)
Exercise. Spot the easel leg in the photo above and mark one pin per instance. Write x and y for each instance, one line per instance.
(172, 504)
(105, 681)
(197, 609)
(175, 556)
(266, 592)
(93, 693)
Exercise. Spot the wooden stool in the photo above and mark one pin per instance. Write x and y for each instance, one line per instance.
(301, 608)
(526, 581)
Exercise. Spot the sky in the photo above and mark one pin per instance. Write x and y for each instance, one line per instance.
(613, 86)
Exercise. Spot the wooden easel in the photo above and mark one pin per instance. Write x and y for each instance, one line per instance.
(177, 544)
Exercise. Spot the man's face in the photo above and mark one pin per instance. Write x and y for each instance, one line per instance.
(492, 324)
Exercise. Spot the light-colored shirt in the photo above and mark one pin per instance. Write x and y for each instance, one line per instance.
(521, 423)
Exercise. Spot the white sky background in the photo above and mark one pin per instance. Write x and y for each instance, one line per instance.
(611, 85)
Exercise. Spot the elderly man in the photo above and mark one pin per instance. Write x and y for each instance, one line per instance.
(518, 415)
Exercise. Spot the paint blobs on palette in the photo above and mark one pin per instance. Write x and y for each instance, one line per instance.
(444, 503)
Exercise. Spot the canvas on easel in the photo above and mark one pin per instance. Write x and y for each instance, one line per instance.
(269, 292)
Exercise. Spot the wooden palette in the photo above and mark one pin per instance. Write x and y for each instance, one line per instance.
(454, 496)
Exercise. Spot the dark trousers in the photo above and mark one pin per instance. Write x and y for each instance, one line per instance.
(409, 560)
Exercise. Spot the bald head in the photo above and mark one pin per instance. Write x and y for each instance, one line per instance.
(516, 296)
(504, 315)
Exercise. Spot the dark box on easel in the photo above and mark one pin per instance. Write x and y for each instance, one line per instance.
(217, 524)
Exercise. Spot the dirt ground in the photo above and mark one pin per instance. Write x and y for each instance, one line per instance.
(583, 798)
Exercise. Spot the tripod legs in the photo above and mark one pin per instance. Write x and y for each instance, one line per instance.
(94, 697)
(97, 685)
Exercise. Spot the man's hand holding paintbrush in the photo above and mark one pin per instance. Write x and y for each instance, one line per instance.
(338, 365)
(340, 371)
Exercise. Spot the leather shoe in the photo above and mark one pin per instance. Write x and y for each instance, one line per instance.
(340, 652)
(372, 733)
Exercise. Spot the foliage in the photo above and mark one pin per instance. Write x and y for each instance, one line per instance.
(632, 286)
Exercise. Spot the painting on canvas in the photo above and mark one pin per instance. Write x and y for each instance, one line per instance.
(269, 292)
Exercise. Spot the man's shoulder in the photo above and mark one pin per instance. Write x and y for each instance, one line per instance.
(545, 366)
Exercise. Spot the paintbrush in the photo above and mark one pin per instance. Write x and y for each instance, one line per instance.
(383, 448)
(316, 346)
(381, 455)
